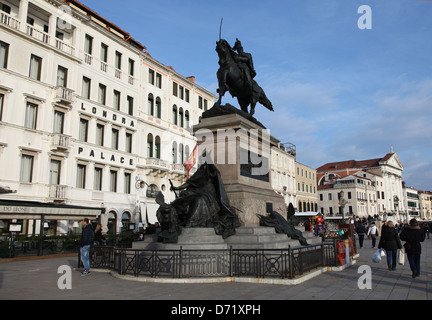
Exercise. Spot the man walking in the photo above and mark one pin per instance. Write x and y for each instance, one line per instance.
(85, 242)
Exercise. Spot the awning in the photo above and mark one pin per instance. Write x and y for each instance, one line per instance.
(148, 212)
(10, 209)
(306, 214)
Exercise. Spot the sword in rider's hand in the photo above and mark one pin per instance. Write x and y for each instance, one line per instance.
(172, 189)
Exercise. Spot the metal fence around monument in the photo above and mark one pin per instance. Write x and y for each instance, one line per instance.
(258, 263)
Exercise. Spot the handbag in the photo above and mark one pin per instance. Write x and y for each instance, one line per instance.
(401, 257)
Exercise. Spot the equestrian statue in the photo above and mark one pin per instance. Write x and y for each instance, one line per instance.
(236, 75)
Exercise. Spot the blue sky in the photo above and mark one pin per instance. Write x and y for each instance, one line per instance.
(339, 93)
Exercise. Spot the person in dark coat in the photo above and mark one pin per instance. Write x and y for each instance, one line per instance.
(85, 242)
(361, 231)
(390, 242)
(413, 235)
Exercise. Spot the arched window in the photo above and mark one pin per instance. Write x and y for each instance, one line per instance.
(126, 220)
(150, 109)
(112, 222)
(181, 118)
(152, 191)
(158, 111)
(174, 114)
(150, 146)
(174, 152)
(181, 153)
(157, 147)
(187, 123)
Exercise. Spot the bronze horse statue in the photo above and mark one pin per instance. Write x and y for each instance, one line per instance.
(233, 79)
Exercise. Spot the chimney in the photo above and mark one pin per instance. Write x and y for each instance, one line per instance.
(191, 78)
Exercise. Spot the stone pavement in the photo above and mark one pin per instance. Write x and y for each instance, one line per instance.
(38, 279)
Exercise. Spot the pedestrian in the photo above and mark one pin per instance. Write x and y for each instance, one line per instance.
(390, 242)
(98, 237)
(361, 231)
(85, 242)
(373, 233)
(413, 235)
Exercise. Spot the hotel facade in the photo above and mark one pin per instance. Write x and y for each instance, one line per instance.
(91, 125)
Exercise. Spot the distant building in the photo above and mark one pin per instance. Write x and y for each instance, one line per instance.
(307, 195)
(375, 186)
(283, 159)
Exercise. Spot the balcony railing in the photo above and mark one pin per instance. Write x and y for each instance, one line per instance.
(64, 94)
(37, 34)
(9, 20)
(57, 192)
(65, 47)
(60, 141)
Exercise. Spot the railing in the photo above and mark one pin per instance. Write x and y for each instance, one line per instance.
(37, 34)
(60, 141)
(57, 192)
(259, 263)
(9, 21)
(65, 47)
(27, 246)
(64, 94)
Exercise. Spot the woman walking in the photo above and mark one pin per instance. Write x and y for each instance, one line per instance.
(390, 242)
(413, 235)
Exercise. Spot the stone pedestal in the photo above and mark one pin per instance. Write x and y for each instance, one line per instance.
(240, 149)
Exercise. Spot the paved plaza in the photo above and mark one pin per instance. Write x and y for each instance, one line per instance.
(38, 279)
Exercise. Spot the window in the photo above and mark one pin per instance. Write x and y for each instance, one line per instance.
(54, 177)
(330, 196)
(62, 77)
(117, 97)
(175, 89)
(174, 115)
(150, 105)
(118, 58)
(83, 130)
(158, 108)
(131, 67)
(26, 168)
(58, 121)
(81, 176)
(86, 88)
(35, 67)
(102, 94)
(158, 148)
(200, 102)
(4, 54)
(128, 142)
(159, 80)
(31, 116)
(150, 146)
(104, 53)
(127, 182)
(100, 129)
(1, 105)
(98, 179)
(113, 180)
(88, 44)
(151, 78)
(130, 105)
(115, 139)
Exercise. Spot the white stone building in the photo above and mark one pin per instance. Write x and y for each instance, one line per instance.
(90, 123)
(283, 177)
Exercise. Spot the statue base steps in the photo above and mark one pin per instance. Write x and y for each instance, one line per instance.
(245, 238)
